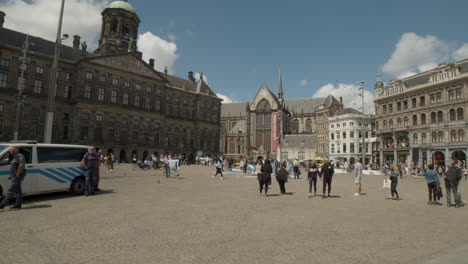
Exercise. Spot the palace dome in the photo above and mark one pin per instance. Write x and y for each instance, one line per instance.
(122, 5)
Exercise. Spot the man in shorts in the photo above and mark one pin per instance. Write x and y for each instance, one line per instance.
(358, 177)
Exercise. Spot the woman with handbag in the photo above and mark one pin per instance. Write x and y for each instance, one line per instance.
(432, 178)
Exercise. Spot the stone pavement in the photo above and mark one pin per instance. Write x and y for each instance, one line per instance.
(143, 217)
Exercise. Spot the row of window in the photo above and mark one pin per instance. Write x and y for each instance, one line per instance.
(351, 134)
(353, 149)
(350, 124)
(126, 84)
(435, 117)
(439, 137)
(434, 98)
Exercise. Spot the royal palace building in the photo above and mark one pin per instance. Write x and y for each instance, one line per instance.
(109, 97)
(421, 119)
(277, 128)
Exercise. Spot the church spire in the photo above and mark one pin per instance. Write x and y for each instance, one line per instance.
(280, 86)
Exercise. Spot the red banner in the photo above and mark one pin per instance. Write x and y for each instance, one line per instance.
(274, 132)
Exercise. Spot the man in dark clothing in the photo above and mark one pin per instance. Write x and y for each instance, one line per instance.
(327, 174)
(17, 173)
(282, 178)
(452, 177)
(90, 163)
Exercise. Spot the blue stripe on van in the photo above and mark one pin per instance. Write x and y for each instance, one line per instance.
(68, 172)
(80, 171)
(63, 176)
(48, 175)
(2, 173)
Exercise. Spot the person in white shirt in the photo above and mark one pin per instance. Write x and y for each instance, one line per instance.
(357, 179)
(219, 166)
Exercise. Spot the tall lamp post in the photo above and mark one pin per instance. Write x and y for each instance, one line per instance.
(361, 89)
(53, 81)
(20, 97)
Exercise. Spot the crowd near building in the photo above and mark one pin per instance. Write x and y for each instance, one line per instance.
(421, 119)
(277, 128)
(108, 97)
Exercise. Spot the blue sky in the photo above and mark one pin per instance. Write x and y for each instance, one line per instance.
(240, 44)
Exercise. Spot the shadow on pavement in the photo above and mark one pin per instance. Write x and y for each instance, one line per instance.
(39, 206)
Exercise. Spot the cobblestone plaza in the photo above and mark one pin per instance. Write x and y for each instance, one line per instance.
(143, 217)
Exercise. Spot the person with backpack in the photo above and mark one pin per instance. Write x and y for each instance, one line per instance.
(282, 178)
(433, 182)
(296, 169)
(17, 174)
(312, 172)
(452, 179)
(393, 173)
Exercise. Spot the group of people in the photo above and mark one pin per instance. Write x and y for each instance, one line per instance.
(264, 169)
(452, 177)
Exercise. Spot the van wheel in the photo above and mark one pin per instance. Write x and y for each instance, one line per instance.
(77, 186)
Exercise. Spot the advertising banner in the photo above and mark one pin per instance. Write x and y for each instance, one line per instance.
(274, 132)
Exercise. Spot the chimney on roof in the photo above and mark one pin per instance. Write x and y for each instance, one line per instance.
(76, 42)
(2, 18)
(190, 76)
(165, 71)
(151, 63)
(341, 102)
(201, 76)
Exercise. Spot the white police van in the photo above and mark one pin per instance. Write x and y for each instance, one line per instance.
(49, 167)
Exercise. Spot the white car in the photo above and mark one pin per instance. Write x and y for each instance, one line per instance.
(49, 167)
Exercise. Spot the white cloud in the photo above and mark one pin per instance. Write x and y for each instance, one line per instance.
(40, 18)
(303, 83)
(162, 51)
(197, 77)
(461, 53)
(225, 98)
(350, 94)
(414, 53)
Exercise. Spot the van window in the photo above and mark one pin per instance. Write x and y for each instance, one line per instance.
(59, 154)
(3, 147)
(27, 153)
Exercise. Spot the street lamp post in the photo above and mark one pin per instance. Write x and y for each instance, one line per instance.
(361, 88)
(53, 81)
(20, 97)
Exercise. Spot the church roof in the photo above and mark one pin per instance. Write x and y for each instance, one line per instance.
(42, 46)
(306, 105)
(121, 5)
(241, 125)
(233, 109)
(346, 111)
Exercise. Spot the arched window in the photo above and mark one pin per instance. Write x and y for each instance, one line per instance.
(415, 138)
(406, 121)
(424, 138)
(433, 117)
(423, 119)
(461, 135)
(399, 122)
(113, 26)
(309, 125)
(453, 136)
(385, 124)
(452, 115)
(460, 114)
(434, 137)
(440, 117)
(440, 137)
(390, 123)
(296, 125)
(415, 120)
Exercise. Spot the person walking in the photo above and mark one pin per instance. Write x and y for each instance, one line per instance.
(312, 172)
(452, 179)
(219, 166)
(358, 177)
(17, 174)
(282, 178)
(265, 176)
(296, 168)
(90, 163)
(110, 162)
(167, 167)
(432, 178)
(326, 174)
(393, 173)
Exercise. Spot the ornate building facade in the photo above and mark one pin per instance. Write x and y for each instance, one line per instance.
(110, 98)
(421, 119)
(349, 130)
(277, 128)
